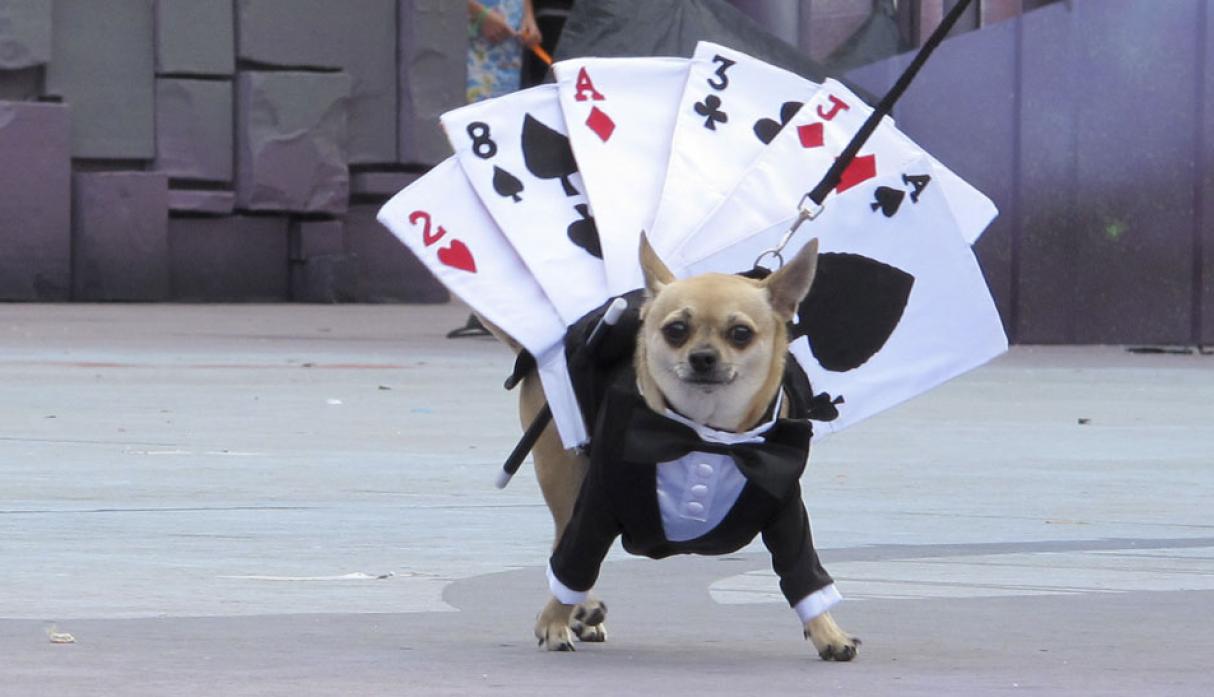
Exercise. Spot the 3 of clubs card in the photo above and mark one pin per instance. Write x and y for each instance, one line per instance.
(516, 154)
(620, 113)
(732, 106)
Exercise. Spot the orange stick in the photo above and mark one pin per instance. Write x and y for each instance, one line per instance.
(543, 55)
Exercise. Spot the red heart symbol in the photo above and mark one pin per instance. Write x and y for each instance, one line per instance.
(456, 255)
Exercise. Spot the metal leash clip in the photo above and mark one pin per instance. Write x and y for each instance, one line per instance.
(804, 213)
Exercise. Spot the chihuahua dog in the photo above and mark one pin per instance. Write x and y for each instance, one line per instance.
(710, 369)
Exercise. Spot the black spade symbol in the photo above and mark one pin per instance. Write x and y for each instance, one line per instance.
(506, 184)
(584, 233)
(888, 200)
(852, 309)
(767, 129)
(547, 153)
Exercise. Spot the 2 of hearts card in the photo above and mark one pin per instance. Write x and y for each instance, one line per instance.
(536, 219)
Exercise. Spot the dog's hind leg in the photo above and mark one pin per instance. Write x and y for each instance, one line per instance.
(829, 639)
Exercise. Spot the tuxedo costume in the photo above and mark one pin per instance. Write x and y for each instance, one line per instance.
(667, 485)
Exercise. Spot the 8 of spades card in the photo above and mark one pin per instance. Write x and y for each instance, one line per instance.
(516, 154)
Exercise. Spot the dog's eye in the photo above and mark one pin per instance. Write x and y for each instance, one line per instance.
(675, 333)
(740, 335)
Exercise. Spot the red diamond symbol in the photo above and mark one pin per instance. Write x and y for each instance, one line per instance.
(810, 135)
(861, 169)
(600, 123)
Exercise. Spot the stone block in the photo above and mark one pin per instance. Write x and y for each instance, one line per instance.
(120, 248)
(202, 201)
(380, 184)
(433, 69)
(292, 142)
(329, 278)
(35, 202)
(1205, 155)
(387, 270)
(237, 259)
(195, 37)
(103, 65)
(194, 129)
(25, 33)
(23, 85)
(357, 37)
(314, 238)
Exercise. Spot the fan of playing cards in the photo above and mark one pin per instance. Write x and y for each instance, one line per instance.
(536, 219)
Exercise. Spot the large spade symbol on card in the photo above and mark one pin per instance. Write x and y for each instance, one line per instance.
(767, 129)
(852, 309)
(547, 153)
(584, 233)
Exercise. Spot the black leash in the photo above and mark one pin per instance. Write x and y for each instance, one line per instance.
(831, 179)
(819, 193)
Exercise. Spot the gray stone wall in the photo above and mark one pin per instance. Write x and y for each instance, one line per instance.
(203, 150)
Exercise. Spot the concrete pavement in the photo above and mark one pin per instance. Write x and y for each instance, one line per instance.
(297, 500)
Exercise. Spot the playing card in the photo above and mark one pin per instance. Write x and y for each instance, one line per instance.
(898, 305)
(516, 155)
(800, 156)
(441, 220)
(620, 113)
(732, 106)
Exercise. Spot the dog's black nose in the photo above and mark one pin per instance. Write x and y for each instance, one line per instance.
(703, 360)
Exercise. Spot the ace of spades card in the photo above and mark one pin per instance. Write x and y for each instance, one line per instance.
(442, 221)
(898, 304)
(516, 154)
(620, 113)
(798, 158)
(732, 106)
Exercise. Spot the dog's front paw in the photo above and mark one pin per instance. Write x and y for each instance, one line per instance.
(587, 623)
(552, 626)
(830, 641)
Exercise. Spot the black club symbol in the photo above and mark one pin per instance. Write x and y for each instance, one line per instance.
(710, 109)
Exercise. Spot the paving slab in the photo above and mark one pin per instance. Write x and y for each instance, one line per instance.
(298, 500)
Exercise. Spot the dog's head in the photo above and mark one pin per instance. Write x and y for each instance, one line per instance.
(712, 346)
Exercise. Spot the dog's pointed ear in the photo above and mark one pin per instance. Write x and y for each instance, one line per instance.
(657, 276)
(787, 287)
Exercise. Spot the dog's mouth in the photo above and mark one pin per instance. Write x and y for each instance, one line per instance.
(714, 379)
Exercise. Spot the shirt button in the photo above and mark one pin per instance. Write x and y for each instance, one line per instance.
(695, 508)
(704, 469)
(699, 491)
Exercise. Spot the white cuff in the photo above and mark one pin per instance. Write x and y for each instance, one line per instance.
(817, 602)
(564, 593)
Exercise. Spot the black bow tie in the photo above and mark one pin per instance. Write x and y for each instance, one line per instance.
(773, 465)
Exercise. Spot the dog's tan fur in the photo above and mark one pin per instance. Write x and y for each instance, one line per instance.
(748, 376)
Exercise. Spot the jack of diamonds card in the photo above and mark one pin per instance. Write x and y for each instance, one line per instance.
(442, 221)
(516, 154)
(798, 158)
(898, 305)
(732, 106)
(620, 113)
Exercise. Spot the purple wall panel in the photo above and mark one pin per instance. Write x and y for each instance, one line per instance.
(1048, 250)
(321, 271)
(120, 247)
(195, 37)
(966, 119)
(202, 201)
(1135, 170)
(1206, 185)
(229, 259)
(356, 36)
(194, 129)
(35, 202)
(25, 33)
(21, 85)
(103, 66)
(292, 142)
(433, 73)
(387, 270)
